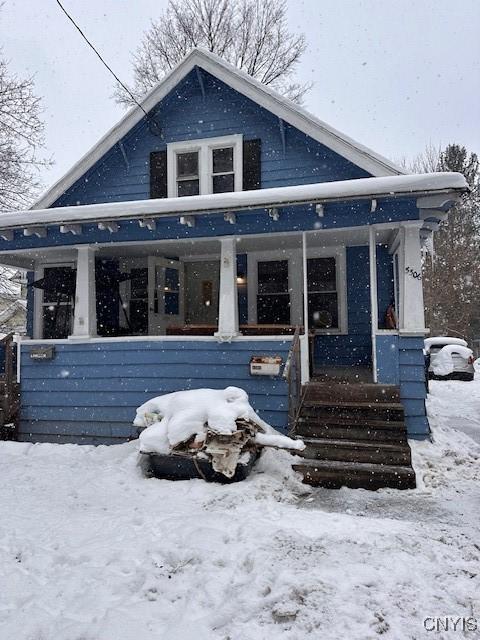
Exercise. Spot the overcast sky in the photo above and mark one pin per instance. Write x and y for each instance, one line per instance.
(395, 75)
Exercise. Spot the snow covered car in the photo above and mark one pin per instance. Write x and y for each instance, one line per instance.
(449, 359)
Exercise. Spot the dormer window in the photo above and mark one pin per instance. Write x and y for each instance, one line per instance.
(188, 179)
(199, 167)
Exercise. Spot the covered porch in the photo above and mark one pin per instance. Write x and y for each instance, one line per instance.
(346, 289)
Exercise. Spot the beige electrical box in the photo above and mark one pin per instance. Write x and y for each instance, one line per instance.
(265, 365)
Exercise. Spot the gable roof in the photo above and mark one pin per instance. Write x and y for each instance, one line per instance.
(240, 81)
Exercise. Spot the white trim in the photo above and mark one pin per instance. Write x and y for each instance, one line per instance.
(357, 153)
(282, 338)
(372, 262)
(293, 257)
(228, 298)
(19, 356)
(305, 338)
(339, 191)
(204, 147)
(85, 312)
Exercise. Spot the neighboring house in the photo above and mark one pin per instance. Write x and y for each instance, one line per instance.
(13, 315)
(189, 240)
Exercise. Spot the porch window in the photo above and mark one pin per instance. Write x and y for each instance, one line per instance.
(322, 293)
(273, 299)
(57, 301)
(211, 165)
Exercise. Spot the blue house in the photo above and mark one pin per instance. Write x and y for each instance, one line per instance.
(202, 231)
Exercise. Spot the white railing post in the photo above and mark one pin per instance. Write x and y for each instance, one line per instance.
(304, 339)
(228, 299)
(85, 314)
(372, 245)
(412, 313)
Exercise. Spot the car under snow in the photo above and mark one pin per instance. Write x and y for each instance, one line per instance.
(449, 358)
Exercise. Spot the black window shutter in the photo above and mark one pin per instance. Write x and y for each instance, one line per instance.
(158, 174)
(252, 178)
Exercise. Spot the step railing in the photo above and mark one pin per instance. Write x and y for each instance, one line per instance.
(292, 373)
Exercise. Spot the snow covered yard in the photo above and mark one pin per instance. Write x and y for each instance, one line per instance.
(91, 550)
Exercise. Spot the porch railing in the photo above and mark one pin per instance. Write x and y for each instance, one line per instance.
(292, 373)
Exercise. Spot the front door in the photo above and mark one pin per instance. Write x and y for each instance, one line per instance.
(165, 294)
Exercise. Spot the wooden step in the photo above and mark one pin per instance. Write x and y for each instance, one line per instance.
(386, 453)
(394, 432)
(361, 392)
(355, 475)
(362, 410)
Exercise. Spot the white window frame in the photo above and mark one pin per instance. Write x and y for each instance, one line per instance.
(204, 148)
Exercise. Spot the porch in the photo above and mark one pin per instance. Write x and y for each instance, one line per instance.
(336, 285)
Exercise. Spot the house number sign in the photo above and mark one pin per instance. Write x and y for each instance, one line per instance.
(415, 274)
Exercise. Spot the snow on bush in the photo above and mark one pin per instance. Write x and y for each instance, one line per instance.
(443, 364)
(177, 417)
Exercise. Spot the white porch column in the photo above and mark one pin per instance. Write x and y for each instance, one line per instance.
(85, 315)
(373, 296)
(304, 339)
(228, 298)
(412, 314)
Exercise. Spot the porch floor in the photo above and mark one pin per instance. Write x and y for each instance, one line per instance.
(342, 374)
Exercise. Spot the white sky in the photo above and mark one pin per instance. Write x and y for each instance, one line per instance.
(393, 74)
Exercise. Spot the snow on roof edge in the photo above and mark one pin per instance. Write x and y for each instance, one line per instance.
(405, 185)
(304, 121)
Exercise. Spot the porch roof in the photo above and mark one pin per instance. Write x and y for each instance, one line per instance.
(418, 185)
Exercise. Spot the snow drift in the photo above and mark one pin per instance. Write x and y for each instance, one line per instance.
(216, 424)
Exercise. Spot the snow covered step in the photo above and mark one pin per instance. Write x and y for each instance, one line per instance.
(355, 475)
(357, 451)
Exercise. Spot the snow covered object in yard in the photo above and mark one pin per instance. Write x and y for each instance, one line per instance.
(218, 425)
(450, 358)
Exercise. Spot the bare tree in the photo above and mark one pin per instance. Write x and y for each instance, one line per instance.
(250, 34)
(452, 275)
(21, 139)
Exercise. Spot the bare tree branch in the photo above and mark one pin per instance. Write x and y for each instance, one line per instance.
(21, 139)
(253, 35)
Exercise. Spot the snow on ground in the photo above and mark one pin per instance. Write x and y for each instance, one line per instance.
(91, 550)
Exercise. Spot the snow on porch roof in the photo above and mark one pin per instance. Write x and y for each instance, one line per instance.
(240, 81)
(407, 185)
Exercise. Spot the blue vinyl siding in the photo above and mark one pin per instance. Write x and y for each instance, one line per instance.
(387, 359)
(187, 114)
(400, 361)
(356, 347)
(89, 392)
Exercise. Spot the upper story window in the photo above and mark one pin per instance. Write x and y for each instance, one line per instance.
(198, 167)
